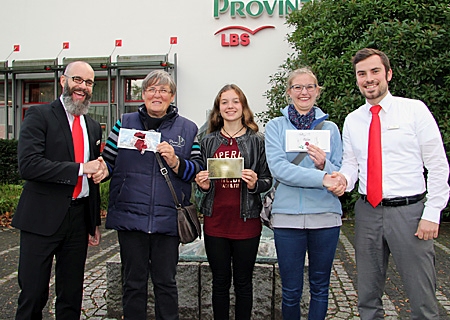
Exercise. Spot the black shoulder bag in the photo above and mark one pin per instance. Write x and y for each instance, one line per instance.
(188, 223)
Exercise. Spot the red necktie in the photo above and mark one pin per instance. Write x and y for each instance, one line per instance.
(78, 147)
(374, 169)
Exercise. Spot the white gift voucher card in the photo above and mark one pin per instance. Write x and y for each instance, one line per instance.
(138, 140)
(298, 140)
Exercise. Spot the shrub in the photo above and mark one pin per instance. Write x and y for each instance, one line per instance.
(10, 195)
(9, 171)
(104, 196)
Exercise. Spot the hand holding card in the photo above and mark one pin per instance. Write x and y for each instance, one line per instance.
(298, 140)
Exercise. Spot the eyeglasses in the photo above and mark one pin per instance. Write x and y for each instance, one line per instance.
(80, 80)
(152, 91)
(308, 87)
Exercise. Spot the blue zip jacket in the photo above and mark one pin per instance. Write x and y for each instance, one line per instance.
(300, 190)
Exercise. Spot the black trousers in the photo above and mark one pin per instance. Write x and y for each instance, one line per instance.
(232, 259)
(69, 246)
(142, 255)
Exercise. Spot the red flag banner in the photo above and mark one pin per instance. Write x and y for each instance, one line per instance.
(173, 40)
(118, 43)
(65, 45)
(16, 48)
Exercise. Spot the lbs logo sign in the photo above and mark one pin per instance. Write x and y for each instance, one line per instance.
(235, 39)
(251, 9)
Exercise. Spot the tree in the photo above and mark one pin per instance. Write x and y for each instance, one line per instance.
(414, 34)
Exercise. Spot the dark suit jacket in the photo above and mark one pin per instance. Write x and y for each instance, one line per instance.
(46, 162)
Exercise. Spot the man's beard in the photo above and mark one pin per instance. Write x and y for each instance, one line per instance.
(77, 107)
(381, 91)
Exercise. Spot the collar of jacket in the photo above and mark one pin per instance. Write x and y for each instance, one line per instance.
(224, 140)
(151, 123)
(320, 116)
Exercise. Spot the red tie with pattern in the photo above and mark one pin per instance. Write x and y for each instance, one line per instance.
(374, 168)
(78, 147)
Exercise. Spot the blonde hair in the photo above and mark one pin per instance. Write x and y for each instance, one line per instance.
(297, 72)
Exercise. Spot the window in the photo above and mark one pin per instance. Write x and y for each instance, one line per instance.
(133, 91)
(2, 92)
(99, 113)
(100, 91)
(38, 92)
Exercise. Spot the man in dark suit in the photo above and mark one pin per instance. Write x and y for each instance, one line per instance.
(55, 220)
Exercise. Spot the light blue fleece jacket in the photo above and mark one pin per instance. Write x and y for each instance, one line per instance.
(300, 190)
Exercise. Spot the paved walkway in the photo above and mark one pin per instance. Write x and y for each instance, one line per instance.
(343, 295)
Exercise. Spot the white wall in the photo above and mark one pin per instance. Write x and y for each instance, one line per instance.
(145, 27)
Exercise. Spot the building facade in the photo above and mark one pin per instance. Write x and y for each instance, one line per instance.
(204, 44)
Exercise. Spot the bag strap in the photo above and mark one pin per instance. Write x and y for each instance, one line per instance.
(301, 155)
(319, 126)
(165, 174)
(296, 161)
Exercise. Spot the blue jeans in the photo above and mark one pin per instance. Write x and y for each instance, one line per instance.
(291, 246)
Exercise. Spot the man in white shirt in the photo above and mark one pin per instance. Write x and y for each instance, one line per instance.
(403, 221)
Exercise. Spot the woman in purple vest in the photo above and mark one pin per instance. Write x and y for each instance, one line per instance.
(141, 207)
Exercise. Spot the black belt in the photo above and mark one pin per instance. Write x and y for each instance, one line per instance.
(78, 202)
(399, 201)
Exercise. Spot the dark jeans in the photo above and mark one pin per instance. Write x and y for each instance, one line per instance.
(232, 258)
(142, 255)
(291, 246)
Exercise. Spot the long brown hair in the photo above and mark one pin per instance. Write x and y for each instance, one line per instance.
(216, 120)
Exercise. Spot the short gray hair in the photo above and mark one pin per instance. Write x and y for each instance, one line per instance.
(159, 77)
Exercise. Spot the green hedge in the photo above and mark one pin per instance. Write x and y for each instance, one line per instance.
(11, 183)
(10, 194)
(9, 171)
(104, 195)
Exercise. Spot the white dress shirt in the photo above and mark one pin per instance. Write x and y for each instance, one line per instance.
(85, 188)
(410, 140)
